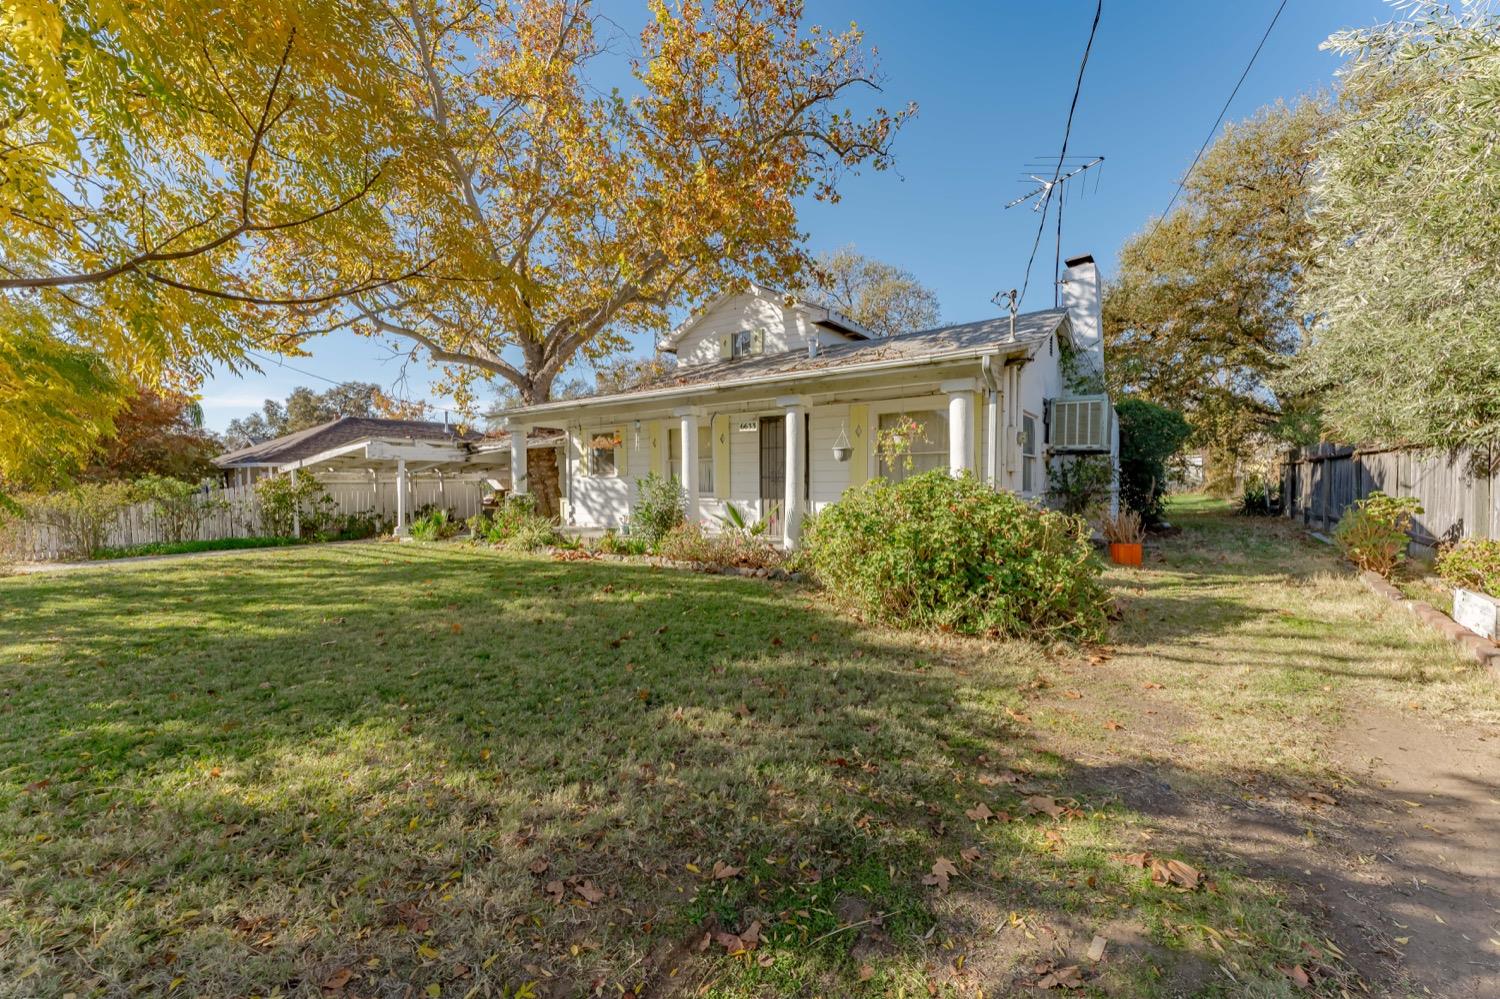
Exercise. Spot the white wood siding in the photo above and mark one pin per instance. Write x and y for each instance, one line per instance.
(784, 328)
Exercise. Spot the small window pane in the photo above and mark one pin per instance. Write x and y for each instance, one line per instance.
(705, 461)
(741, 343)
(1028, 453)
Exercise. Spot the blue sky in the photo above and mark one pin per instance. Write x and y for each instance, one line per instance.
(993, 80)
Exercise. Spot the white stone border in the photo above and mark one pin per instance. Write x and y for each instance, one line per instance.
(1481, 649)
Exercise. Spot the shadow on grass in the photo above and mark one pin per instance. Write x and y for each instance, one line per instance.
(439, 767)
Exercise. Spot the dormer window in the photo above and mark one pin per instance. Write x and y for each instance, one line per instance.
(741, 344)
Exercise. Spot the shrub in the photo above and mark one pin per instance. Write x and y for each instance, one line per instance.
(1123, 528)
(1473, 564)
(659, 507)
(355, 526)
(1149, 436)
(516, 525)
(612, 544)
(182, 547)
(1079, 486)
(1373, 533)
(180, 507)
(1261, 497)
(81, 516)
(689, 542)
(935, 551)
(285, 505)
(433, 524)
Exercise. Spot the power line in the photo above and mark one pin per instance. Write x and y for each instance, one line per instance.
(1061, 156)
(322, 378)
(1222, 112)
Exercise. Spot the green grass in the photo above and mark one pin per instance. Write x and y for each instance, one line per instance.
(186, 547)
(247, 776)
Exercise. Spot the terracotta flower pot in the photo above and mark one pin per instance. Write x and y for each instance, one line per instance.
(1125, 554)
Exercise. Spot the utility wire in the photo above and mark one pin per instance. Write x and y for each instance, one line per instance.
(1222, 112)
(1067, 132)
(322, 378)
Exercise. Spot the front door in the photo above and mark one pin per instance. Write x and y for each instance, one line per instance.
(772, 467)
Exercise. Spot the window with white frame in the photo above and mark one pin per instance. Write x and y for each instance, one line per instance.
(602, 448)
(1028, 453)
(924, 443)
(705, 457)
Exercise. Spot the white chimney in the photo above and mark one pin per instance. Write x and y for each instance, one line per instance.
(1080, 293)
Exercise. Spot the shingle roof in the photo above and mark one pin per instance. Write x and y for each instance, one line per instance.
(344, 430)
(962, 338)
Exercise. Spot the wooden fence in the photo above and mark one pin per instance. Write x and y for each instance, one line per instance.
(1455, 488)
(236, 511)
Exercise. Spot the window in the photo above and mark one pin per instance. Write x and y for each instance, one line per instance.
(1028, 453)
(602, 447)
(929, 447)
(742, 344)
(705, 457)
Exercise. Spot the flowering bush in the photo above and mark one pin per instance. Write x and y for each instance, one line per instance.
(950, 553)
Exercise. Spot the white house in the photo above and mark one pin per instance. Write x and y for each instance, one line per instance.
(775, 405)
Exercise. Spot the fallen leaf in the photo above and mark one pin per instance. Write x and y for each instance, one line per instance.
(1152, 685)
(722, 871)
(1320, 798)
(969, 854)
(540, 865)
(1042, 803)
(980, 812)
(1132, 859)
(1063, 978)
(1073, 695)
(555, 889)
(588, 892)
(336, 981)
(1113, 725)
(1297, 975)
(1096, 948)
(942, 870)
(866, 972)
(1019, 716)
(1174, 872)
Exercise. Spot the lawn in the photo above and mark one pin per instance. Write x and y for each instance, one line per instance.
(392, 770)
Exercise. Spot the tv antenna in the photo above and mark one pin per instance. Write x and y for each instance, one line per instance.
(1040, 197)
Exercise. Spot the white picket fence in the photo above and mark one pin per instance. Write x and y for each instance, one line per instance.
(237, 511)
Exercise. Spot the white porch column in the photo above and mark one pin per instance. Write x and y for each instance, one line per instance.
(688, 473)
(518, 481)
(794, 504)
(402, 531)
(296, 509)
(960, 395)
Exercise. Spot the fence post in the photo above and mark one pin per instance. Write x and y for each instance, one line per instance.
(1482, 464)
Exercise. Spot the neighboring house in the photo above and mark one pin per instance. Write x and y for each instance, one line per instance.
(392, 466)
(775, 405)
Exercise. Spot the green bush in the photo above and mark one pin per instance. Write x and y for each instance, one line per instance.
(1079, 486)
(1374, 532)
(182, 547)
(515, 525)
(1149, 436)
(1261, 497)
(286, 505)
(180, 506)
(935, 551)
(81, 516)
(659, 507)
(1473, 564)
(612, 544)
(355, 526)
(433, 524)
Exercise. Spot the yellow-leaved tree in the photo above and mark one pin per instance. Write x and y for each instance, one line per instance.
(562, 212)
(164, 168)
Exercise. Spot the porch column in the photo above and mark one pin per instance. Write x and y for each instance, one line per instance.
(296, 508)
(688, 473)
(960, 395)
(401, 529)
(793, 504)
(518, 481)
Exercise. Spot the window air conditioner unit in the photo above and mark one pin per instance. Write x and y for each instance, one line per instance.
(1080, 424)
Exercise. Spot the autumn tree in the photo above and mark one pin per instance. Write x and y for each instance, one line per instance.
(1205, 312)
(564, 214)
(881, 297)
(157, 433)
(162, 168)
(1407, 349)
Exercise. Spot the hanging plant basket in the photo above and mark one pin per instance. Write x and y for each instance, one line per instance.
(841, 448)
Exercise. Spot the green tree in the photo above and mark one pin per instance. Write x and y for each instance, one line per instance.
(304, 408)
(1407, 349)
(1205, 310)
(881, 297)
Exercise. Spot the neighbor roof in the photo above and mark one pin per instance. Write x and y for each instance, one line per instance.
(344, 430)
(922, 345)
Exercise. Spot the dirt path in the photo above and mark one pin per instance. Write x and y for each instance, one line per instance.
(1423, 856)
(1266, 713)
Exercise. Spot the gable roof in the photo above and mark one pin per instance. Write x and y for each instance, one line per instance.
(942, 342)
(344, 430)
(821, 315)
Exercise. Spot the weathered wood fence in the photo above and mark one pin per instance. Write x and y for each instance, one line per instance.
(236, 511)
(1455, 488)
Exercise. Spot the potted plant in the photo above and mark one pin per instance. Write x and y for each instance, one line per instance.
(1124, 534)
